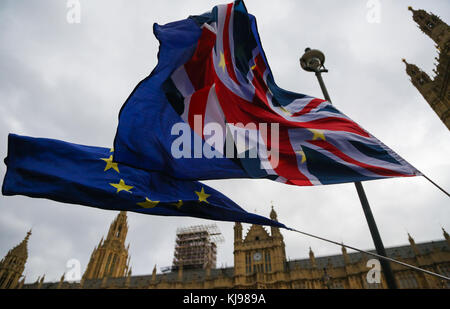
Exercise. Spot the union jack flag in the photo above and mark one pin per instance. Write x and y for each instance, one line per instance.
(226, 81)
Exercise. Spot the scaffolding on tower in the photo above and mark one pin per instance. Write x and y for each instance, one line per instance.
(196, 247)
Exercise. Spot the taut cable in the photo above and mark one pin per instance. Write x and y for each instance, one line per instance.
(374, 254)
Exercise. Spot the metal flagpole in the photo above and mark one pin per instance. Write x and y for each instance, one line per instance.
(313, 61)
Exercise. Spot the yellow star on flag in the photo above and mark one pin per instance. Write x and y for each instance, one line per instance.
(148, 203)
(110, 164)
(253, 67)
(202, 196)
(302, 153)
(179, 204)
(121, 186)
(111, 150)
(317, 134)
(284, 110)
(222, 61)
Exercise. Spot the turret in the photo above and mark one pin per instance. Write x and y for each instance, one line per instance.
(237, 232)
(413, 245)
(447, 238)
(154, 274)
(275, 231)
(61, 281)
(13, 264)
(345, 254)
(41, 282)
(435, 91)
(430, 24)
(111, 258)
(312, 258)
(418, 77)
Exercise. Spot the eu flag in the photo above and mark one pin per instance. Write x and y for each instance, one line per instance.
(85, 175)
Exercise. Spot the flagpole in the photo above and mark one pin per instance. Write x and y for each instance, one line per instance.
(313, 61)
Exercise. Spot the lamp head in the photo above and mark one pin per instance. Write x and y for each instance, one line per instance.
(312, 60)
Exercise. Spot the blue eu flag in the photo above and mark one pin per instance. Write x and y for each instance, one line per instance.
(77, 174)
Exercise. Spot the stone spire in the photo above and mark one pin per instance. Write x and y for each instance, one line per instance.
(430, 24)
(312, 258)
(110, 258)
(22, 248)
(418, 77)
(237, 232)
(413, 245)
(61, 281)
(275, 231)
(446, 236)
(154, 274)
(41, 282)
(273, 214)
(345, 254)
(435, 91)
(13, 264)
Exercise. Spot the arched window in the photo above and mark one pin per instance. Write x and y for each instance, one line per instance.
(248, 263)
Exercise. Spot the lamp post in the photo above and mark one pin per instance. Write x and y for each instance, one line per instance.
(313, 61)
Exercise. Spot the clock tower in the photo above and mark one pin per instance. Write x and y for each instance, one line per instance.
(260, 256)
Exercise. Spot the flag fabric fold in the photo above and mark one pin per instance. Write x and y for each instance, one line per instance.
(213, 77)
(86, 175)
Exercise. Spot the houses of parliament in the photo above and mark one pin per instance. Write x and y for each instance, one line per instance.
(259, 255)
(259, 262)
(434, 90)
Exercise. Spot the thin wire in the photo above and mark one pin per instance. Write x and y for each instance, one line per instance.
(373, 254)
(435, 184)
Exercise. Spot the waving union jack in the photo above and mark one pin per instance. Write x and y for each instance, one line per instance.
(226, 80)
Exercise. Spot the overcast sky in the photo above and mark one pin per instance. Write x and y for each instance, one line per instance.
(68, 81)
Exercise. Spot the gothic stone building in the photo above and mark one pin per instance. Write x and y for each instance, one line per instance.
(435, 91)
(259, 262)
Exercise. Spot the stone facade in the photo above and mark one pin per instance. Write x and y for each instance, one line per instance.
(13, 265)
(435, 90)
(259, 262)
(110, 258)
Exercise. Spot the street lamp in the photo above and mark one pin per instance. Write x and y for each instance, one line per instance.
(313, 61)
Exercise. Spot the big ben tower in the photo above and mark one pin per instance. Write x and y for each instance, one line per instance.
(110, 259)
(435, 91)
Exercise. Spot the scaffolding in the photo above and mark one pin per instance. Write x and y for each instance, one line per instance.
(196, 247)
